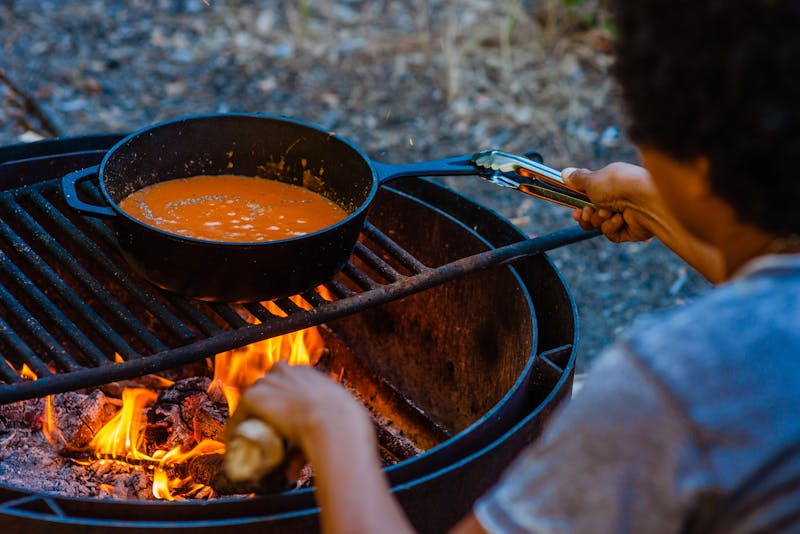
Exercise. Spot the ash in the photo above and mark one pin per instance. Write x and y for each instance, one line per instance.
(28, 461)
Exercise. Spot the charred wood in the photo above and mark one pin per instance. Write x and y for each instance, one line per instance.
(208, 470)
(183, 415)
(78, 416)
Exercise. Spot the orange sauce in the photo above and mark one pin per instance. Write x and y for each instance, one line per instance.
(232, 208)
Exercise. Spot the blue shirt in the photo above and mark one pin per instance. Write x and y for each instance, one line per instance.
(695, 413)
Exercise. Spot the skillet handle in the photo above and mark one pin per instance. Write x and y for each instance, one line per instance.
(455, 166)
(69, 189)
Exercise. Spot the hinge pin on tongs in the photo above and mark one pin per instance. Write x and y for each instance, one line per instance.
(528, 176)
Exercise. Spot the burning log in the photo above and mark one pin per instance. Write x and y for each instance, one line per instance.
(154, 382)
(184, 414)
(209, 470)
(76, 417)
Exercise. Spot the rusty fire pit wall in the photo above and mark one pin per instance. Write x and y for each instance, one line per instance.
(455, 349)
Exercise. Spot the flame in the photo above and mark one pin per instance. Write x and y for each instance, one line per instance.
(26, 372)
(325, 293)
(122, 436)
(161, 485)
(238, 369)
(49, 427)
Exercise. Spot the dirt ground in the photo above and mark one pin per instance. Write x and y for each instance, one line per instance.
(405, 80)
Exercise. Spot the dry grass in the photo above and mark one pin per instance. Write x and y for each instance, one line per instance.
(492, 65)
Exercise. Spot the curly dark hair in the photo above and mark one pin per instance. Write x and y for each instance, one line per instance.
(721, 79)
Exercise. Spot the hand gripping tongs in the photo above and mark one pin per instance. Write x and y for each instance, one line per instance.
(528, 176)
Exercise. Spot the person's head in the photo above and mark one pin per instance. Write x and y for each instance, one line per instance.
(719, 80)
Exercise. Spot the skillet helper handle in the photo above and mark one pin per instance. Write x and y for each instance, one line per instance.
(69, 188)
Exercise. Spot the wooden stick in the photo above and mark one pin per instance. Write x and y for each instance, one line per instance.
(27, 104)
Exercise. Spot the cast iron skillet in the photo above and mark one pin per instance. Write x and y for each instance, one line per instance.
(251, 145)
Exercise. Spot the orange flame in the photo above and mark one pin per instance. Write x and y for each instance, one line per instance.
(238, 369)
(49, 427)
(26, 372)
(122, 436)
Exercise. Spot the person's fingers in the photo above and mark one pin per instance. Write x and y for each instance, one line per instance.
(576, 178)
(612, 225)
(614, 229)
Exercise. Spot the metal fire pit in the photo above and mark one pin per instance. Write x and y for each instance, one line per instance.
(467, 353)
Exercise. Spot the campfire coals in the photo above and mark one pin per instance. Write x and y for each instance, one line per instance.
(184, 414)
(28, 461)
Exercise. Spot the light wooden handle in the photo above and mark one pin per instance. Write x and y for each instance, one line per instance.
(254, 450)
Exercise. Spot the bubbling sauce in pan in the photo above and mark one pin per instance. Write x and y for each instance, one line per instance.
(232, 208)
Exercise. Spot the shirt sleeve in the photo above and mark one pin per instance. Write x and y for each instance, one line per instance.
(606, 463)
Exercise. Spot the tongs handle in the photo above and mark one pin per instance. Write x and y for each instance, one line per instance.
(539, 180)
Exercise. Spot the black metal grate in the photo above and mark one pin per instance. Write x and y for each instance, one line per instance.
(72, 312)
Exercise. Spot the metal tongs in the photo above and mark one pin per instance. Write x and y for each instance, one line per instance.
(528, 176)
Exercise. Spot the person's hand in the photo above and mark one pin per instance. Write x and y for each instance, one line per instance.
(337, 436)
(622, 194)
(304, 406)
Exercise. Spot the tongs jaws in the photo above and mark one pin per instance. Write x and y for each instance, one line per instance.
(528, 176)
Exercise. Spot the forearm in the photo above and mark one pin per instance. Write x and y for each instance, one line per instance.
(351, 488)
(699, 255)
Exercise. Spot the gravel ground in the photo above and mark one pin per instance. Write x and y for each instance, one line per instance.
(405, 80)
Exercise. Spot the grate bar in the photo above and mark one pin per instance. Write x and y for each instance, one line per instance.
(7, 373)
(260, 312)
(22, 351)
(78, 305)
(228, 314)
(145, 297)
(339, 289)
(396, 251)
(313, 297)
(111, 303)
(287, 306)
(29, 322)
(358, 276)
(206, 325)
(373, 260)
(53, 313)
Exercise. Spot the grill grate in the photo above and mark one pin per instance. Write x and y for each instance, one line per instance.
(74, 314)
